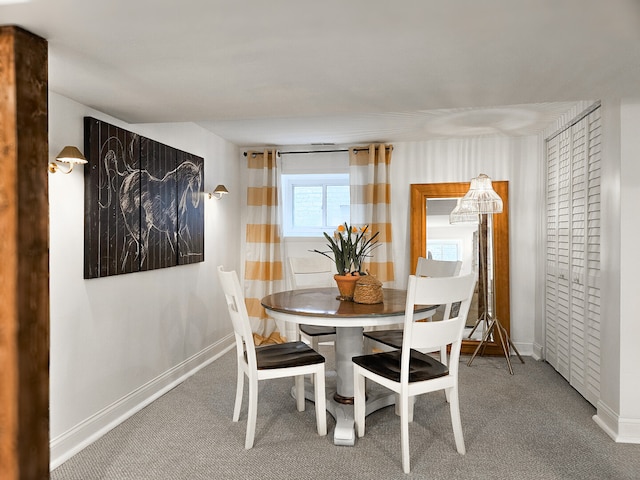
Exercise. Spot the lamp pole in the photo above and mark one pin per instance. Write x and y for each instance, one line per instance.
(483, 201)
(489, 315)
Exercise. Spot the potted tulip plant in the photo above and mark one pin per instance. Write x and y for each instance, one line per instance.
(349, 246)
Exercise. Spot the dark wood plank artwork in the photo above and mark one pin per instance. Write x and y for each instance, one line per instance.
(143, 203)
(157, 194)
(190, 209)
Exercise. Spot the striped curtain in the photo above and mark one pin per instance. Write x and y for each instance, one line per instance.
(264, 272)
(370, 203)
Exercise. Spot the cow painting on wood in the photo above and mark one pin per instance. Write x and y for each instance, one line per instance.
(143, 203)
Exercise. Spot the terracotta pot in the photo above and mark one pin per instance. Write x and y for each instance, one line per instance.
(346, 286)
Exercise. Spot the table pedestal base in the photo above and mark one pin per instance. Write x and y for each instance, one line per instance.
(344, 433)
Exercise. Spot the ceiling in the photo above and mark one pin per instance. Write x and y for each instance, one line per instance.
(297, 72)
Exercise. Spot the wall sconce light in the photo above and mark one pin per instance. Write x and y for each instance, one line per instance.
(218, 192)
(69, 155)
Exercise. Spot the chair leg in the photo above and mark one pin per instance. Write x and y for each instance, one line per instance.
(412, 403)
(444, 359)
(253, 413)
(239, 389)
(359, 402)
(321, 402)
(313, 343)
(456, 422)
(299, 384)
(404, 433)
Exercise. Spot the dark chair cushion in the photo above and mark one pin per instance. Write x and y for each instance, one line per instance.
(387, 364)
(283, 355)
(316, 331)
(392, 338)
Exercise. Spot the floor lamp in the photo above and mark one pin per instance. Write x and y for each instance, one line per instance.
(478, 205)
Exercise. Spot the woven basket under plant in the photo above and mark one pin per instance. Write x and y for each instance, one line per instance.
(368, 290)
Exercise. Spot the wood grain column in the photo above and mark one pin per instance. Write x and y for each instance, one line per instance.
(24, 257)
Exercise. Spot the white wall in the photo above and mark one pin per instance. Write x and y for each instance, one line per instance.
(458, 160)
(119, 342)
(629, 278)
(619, 404)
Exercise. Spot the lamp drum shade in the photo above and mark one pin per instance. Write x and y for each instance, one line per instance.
(481, 197)
(70, 154)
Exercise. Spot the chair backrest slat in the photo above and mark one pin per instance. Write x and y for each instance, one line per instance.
(428, 267)
(428, 290)
(430, 336)
(238, 313)
(311, 272)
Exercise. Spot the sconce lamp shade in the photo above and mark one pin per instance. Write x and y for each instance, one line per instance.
(69, 155)
(481, 197)
(221, 190)
(218, 192)
(462, 215)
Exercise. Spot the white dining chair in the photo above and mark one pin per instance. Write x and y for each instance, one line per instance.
(408, 372)
(308, 272)
(291, 359)
(426, 267)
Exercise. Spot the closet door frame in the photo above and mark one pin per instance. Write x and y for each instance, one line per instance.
(572, 253)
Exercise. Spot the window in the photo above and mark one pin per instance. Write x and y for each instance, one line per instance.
(314, 203)
(448, 250)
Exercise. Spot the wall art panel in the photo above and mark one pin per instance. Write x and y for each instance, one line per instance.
(190, 209)
(143, 203)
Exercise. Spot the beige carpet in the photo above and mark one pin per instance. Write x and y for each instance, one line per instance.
(531, 425)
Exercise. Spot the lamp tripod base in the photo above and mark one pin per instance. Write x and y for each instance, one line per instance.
(481, 319)
(494, 325)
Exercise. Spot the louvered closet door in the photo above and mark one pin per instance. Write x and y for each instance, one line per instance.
(592, 262)
(558, 285)
(551, 282)
(572, 343)
(578, 225)
(564, 224)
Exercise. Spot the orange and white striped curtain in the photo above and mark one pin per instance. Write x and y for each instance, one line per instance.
(370, 203)
(264, 272)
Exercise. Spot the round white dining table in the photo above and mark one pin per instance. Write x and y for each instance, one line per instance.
(321, 306)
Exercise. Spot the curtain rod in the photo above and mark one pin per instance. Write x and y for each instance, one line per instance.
(324, 151)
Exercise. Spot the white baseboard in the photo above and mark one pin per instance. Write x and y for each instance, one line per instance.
(538, 350)
(89, 430)
(525, 349)
(621, 430)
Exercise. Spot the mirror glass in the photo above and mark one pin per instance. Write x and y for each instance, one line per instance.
(453, 242)
(433, 234)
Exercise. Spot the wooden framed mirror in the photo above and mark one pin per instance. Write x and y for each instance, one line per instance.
(499, 231)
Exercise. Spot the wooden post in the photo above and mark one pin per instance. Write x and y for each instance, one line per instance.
(24, 256)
